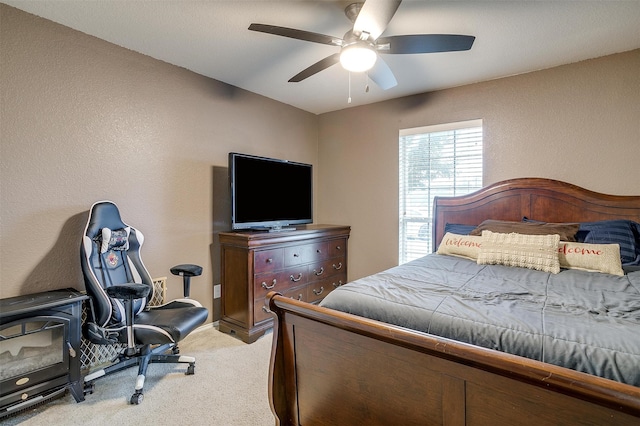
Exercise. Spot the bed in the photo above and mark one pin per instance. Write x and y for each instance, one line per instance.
(329, 366)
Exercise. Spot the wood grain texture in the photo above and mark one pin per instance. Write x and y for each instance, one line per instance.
(329, 367)
(536, 198)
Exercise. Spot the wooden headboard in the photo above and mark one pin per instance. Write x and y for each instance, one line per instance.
(536, 198)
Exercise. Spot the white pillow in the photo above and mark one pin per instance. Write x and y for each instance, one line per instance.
(591, 257)
(539, 252)
(467, 246)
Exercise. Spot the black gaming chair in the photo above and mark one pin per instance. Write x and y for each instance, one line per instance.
(119, 287)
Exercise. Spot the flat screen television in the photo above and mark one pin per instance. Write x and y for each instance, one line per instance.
(268, 193)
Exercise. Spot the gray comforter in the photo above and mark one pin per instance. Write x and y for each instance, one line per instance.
(585, 321)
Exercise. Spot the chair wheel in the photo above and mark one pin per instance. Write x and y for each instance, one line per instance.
(191, 369)
(137, 398)
(88, 388)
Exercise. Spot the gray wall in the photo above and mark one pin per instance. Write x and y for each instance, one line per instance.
(84, 120)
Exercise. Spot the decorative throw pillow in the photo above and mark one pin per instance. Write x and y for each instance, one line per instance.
(590, 257)
(626, 233)
(539, 252)
(467, 246)
(117, 239)
(623, 232)
(566, 231)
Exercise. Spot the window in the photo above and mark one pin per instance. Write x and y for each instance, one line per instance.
(441, 160)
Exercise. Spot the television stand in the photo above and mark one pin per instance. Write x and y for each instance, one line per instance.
(304, 263)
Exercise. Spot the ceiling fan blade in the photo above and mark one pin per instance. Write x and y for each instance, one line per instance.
(374, 17)
(296, 34)
(382, 75)
(316, 68)
(424, 43)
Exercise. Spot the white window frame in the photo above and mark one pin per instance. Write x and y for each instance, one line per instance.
(416, 210)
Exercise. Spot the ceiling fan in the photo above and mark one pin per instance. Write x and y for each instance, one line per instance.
(360, 46)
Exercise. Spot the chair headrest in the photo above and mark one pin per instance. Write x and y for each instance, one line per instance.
(103, 214)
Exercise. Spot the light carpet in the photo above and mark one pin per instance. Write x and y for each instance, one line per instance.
(229, 388)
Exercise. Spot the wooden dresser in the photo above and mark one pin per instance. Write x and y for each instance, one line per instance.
(304, 264)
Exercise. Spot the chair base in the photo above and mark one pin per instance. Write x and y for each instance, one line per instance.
(143, 357)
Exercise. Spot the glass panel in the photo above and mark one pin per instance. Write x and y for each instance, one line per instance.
(32, 351)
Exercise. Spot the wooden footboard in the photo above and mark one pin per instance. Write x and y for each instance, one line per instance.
(329, 367)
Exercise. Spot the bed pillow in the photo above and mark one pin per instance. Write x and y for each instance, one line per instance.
(467, 246)
(566, 231)
(590, 257)
(460, 229)
(625, 233)
(578, 237)
(539, 252)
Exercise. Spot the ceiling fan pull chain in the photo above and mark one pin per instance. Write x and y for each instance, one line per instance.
(349, 98)
(366, 82)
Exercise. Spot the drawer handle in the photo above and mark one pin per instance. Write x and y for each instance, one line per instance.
(318, 273)
(296, 255)
(337, 268)
(265, 309)
(270, 260)
(297, 298)
(337, 285)
(318, 251)
(338, 248)
(294, 279)
(318, 292)
(267, 286)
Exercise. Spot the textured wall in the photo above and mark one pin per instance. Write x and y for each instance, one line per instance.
(578, 123)
(84, 120)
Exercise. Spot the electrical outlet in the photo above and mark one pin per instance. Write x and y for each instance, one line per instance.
(217, 289)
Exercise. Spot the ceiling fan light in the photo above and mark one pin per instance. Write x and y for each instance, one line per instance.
(358, 57)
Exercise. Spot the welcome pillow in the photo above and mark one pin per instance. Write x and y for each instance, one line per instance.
(591, 257)
(467, 246)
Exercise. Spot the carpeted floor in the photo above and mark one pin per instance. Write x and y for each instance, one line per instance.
(229, 388)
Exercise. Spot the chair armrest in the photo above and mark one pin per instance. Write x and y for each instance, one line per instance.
(187, 270)
(128, 291)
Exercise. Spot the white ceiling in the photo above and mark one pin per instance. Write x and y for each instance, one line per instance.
(211, 38)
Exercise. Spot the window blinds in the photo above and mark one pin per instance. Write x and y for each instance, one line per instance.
(442, 160)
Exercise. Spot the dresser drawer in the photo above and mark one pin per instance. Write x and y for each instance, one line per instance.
(268, 260)
(305, 253)
(260, 312)
(280, 281)
(317, 290)
(326, 268)
(337, 247)
(259, 308)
